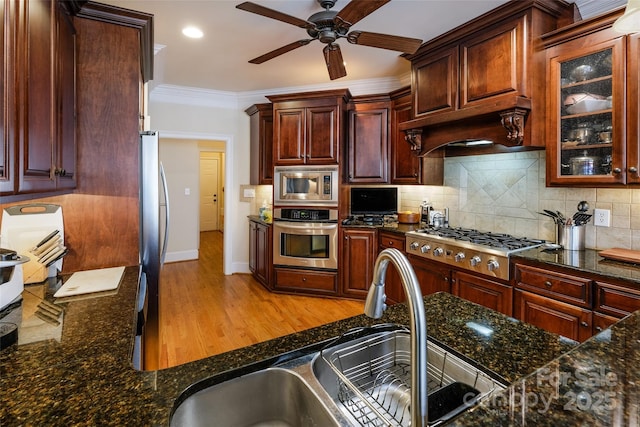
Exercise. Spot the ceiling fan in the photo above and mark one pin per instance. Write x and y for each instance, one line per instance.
(328, 26)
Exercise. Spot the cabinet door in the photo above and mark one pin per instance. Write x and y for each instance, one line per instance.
(65, 164)
(633, 109)
(260, 144)
(393, 285)
(252, 246)
(432, 276)
(492, 63)
(435, 83)
(322, 135)
(553, 316)
(368, 145)
(263, 254)
(406, 167)
(359, 251)
(289, 134)
(7, 142)
(36, 146)
(586, 125)
(494, 295)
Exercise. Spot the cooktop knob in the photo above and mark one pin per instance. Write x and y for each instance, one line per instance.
(475, 260)
(492, 265)
(414, 245)
(459, 256)
(438, 252)
(425, 248)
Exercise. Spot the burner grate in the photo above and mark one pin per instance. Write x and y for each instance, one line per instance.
(489, 239)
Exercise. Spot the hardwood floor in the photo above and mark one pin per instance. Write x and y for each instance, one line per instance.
(203, 312)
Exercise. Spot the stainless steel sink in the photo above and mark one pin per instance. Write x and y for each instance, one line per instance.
(270, 397)
(360, 380)
(368, 379)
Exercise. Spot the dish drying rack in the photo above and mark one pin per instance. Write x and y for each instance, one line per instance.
(374, 377)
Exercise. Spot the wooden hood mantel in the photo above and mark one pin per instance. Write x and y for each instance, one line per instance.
(502, 122)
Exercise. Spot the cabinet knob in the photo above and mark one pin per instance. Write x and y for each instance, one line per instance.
(304, 279)
(548, 284)
(633, 169)
(390, 243)
(585, 324)
(599, 328)
(617, 171)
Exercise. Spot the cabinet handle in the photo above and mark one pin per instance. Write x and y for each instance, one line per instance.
(617, 170)
(548, 284)
(633, 169)
(59, 172)
(599, 329)
(585, 324)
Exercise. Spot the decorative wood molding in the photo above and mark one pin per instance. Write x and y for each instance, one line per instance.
(513, 122)
(414, 138)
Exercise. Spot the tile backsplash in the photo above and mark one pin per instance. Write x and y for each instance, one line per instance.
(505, 192)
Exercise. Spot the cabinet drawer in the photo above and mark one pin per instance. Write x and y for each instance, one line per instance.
(602, 322)
(305, 280)
(615, 300)
(563, 287)
(391, 240)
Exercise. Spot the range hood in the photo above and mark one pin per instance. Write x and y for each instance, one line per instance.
(502, 123)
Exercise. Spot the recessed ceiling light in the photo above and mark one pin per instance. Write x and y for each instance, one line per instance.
(192, 32)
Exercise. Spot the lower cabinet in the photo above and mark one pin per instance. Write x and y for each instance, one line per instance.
(359, 251)
(305, 281)
(433, 277)
(393, 284)
(494, 295)
(260, 252)
(553, 316)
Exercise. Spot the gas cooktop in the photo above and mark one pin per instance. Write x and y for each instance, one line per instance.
(468, 249)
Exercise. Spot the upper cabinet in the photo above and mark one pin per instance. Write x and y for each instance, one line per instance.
(308, 127)
(261, 144)
(591, 138)
(484, 79)
(368, 140)
(39, 137)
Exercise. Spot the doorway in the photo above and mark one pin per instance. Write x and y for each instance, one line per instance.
(211, 191)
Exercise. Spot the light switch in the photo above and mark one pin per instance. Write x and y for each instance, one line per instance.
(187, 191)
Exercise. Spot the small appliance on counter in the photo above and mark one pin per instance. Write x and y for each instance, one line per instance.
(35, 231)
(432, 217)
(11, 280)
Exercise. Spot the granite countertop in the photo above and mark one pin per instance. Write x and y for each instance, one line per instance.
(79, 372)
(585, 261)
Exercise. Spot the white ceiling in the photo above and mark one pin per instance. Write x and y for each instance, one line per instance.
(219, 60)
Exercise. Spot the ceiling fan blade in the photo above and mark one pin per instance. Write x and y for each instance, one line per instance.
(355, 10)
(284, 49)
(384, 41)
(274, 14)
(335, 64)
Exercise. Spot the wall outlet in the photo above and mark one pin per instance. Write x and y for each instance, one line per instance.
(602, 217)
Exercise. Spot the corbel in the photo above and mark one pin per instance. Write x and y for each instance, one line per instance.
(513, 122)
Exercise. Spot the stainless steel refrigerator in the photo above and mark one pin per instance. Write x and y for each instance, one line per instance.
(154, 232)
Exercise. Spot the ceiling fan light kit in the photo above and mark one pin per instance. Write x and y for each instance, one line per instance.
(328, 26)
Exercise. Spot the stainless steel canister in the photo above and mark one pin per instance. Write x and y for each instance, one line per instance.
(571, 237)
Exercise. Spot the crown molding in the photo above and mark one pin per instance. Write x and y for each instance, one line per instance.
(184, 95)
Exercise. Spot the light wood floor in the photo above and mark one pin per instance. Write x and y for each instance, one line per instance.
(203, 312)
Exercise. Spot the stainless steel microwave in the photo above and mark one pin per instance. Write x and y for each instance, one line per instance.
(305, 186)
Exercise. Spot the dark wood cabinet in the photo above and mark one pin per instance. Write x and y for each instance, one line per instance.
(9, 104)
(260, 252)
(432, 276)
(494, 295)
(393, 285)
(614, 300)
(293, 280)
(554, 284)
(592, 134)
(359, 250)
(405, 166)
(260, 144)
(308, 127)
(368, 140)
(554, 316)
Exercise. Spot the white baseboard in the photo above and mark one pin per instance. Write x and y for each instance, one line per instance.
(181, 256)
(240, 267)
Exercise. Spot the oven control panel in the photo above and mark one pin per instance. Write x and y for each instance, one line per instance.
(487, 263)
(306, 215)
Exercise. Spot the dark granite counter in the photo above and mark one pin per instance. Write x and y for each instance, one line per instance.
(587, 261)
(79, 372)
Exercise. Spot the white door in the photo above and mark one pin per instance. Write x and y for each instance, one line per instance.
(209, 191)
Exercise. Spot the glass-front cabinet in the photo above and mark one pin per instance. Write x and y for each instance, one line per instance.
(586, 136)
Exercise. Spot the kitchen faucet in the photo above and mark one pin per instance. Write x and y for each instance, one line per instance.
(374, 307)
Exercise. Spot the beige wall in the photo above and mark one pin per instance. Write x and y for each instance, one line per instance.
(505, 192)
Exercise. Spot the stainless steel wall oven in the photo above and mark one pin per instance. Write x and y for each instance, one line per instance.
(306, 238)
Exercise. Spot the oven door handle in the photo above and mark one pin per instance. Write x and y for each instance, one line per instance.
(307, 226)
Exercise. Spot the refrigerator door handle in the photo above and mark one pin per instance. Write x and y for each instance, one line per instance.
(166, 217)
